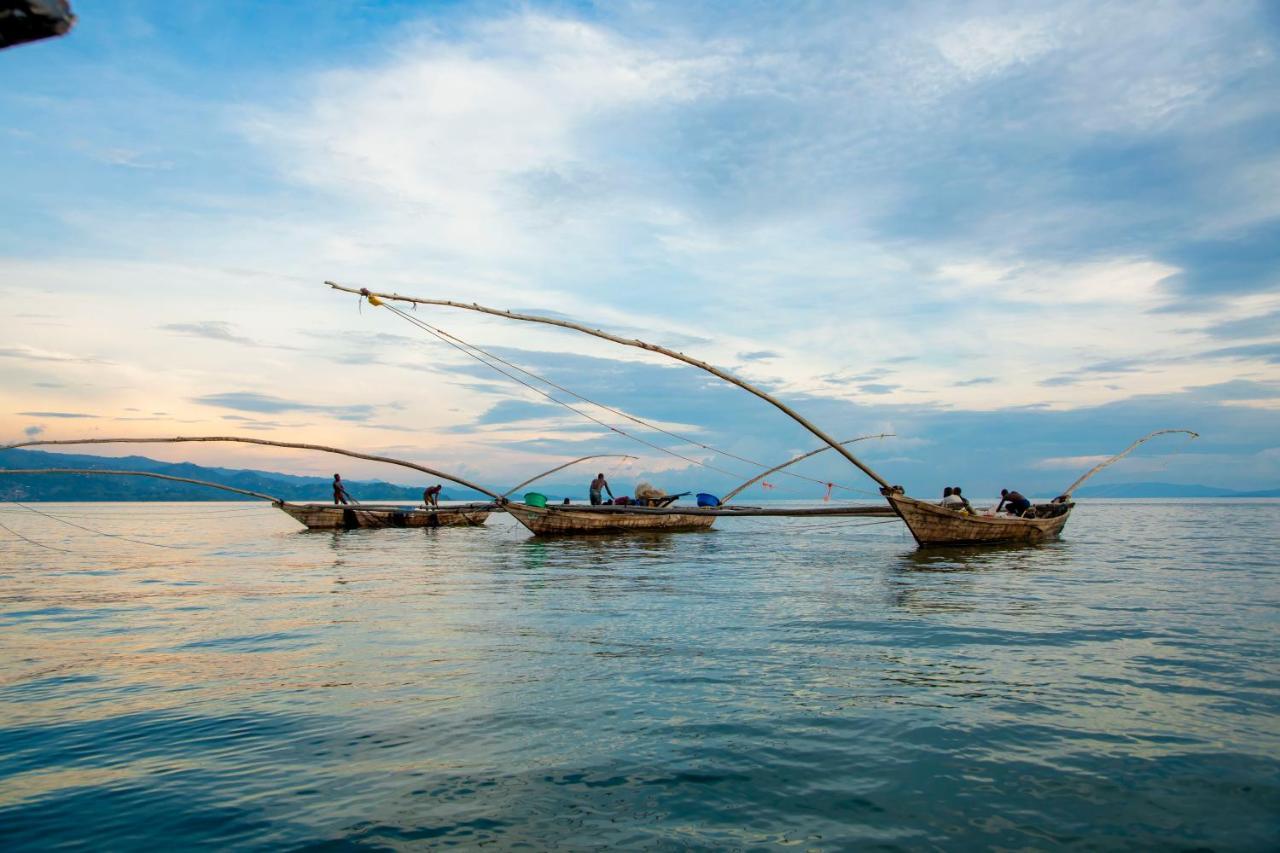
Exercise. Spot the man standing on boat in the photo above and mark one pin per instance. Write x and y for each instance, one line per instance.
(340, 495)
(431, 496)
(597, 485)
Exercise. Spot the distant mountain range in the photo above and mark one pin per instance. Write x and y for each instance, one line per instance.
(1169, 490)
(89, 487)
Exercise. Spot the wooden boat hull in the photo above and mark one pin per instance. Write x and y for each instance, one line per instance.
(932, 525)
(557, 520)
(333, 517)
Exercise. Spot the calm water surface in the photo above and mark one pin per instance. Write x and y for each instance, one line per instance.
(769, 683)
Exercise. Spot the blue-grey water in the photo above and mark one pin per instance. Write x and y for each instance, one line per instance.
(819, 685)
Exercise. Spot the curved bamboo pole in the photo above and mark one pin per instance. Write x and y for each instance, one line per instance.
(295, 445)
(157, 476)
(791, 462)
(566, 465)
(1122, 454)
(374, 299)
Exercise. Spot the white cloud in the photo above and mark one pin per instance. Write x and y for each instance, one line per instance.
(472, 138)
(985, 47)
(1134, 282)
(844, 188)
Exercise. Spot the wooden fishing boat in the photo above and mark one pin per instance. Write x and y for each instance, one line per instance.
(576, 520)
(932, 524)
(324, 516)
(926, 526)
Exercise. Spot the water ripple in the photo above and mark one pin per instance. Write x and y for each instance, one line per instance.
(757, 686)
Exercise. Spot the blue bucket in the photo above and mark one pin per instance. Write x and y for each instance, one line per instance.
(705, 499)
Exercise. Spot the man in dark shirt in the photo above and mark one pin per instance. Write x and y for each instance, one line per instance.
(340, 495)
(1017, 503)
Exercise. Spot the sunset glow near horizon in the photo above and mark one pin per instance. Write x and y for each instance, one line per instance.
(1017, 238)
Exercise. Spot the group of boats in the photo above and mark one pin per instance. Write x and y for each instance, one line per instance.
(929, 523)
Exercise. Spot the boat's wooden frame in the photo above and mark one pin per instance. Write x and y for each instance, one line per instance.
(576, 518)
(556, 520)
(327, 516)
(932, 524)
(927, 527)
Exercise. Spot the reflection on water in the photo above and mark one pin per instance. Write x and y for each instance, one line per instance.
(770, 682)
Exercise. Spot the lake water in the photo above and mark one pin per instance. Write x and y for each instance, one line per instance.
(822, 685)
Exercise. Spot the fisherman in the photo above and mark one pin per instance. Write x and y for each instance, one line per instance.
(949, 499)
(340, 495)
(1017, 503)
(597, 485)
(431, 496)
(965, 506)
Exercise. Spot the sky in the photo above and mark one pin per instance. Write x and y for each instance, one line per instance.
(1017, 236)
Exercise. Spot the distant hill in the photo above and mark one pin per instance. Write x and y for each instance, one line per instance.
(1169, 490)
(88, 487)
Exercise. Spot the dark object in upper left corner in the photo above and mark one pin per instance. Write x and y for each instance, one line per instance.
(32, 20)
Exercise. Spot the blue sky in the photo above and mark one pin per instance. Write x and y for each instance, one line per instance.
(1016, 235)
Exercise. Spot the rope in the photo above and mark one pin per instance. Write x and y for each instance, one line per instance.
(633, 418)
(134, 515)
(463, 348)
(471, 350)
(34, 542)
(90, 529)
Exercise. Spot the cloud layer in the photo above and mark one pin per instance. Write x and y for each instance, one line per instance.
(1016, 237)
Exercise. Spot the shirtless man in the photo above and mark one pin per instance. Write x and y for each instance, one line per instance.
(431, 496)
(340, 495)
(597, 485)
(1017, 503)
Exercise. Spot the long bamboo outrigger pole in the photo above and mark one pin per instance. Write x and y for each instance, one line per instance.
(803, 456)
(290, 444)
(566, 465)
(375, 299)
(1122, 454)
(273, 499)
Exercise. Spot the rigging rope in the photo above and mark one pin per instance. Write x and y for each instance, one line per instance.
(90, 529)
(34, 542)
(465, 349)
(471, 350)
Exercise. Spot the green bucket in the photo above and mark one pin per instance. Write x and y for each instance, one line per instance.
(535, 499)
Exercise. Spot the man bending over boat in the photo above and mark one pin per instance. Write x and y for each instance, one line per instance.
(1017, 503)
(598, 485)
(431, 496)
(340, 495)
